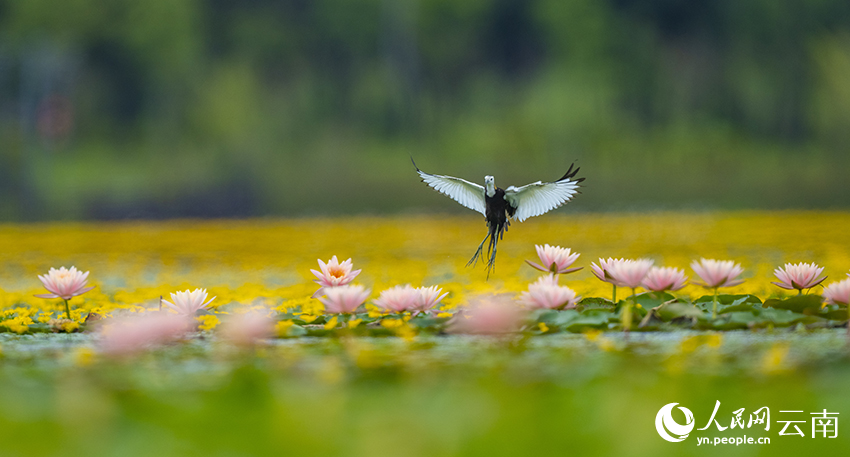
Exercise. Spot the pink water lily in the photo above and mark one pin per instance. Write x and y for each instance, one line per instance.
(548, 294)
(64, 283)
(344, 299)
(717, 273)
(427, 298)
(555, 259)
(602, 270)
(127, 335)
(630, 273)
(837, 293)
(188, 303)
(489, 315)
(333, 274)
(799, 276)
(662, 279)
(247, 329)
(398, 299)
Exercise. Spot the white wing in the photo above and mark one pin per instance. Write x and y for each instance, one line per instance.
(539, 198)
(468, 194)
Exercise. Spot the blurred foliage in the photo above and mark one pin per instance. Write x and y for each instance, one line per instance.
(447, 396)
(114, 108)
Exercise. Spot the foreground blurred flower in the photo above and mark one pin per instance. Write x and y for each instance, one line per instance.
(398, 299)
(490, 315)
(122, 336)
(837, 293)
(555, 259)
(428, 298)
(64, 284)
(546, 293)
(601, 271)
(662, 279)
(716, 274)
(246, 329)
(187, 303)
(333, 274)
(799, 276)
(344, 299)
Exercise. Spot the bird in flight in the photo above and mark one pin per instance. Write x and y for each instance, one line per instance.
(500, 206)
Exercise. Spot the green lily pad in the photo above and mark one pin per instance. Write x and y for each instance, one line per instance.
(724, 299)
(594, 303)
(731, 321)
(295, 331)
(808, 304)
(425, 322)
(648, 300)
(592, 318)
(545, 316)
(834, 312)
(670, 311)
(728, 303)
(785, 318)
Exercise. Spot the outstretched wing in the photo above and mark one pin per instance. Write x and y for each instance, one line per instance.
(541, 197)
(468, 194)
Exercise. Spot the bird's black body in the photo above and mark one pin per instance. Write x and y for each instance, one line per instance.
(497, 217)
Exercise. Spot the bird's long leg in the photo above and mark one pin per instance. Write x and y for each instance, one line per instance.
(474, 260)
(491, 262)
(495, 233)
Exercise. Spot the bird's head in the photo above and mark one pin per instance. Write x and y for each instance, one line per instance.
(490, 185)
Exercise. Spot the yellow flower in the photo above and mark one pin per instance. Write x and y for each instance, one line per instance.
(313, 307)
(282, 327)
(83, 357)
(69, 327)
(714, 340)
(405, 332)
(392, 323)
(592, 334)
(18, 324)
(331, 323)
(353, 323)
(775, 360)
(308, 317)
(543, 327)
(207, 321)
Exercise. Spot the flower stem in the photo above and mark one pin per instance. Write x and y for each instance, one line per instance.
(626, 315)
(67, 309)
(714, 305)
(614, 294)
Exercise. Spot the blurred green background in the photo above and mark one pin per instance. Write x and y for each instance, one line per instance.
(212, 108)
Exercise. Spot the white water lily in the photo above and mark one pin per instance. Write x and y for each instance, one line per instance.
(187, 303)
